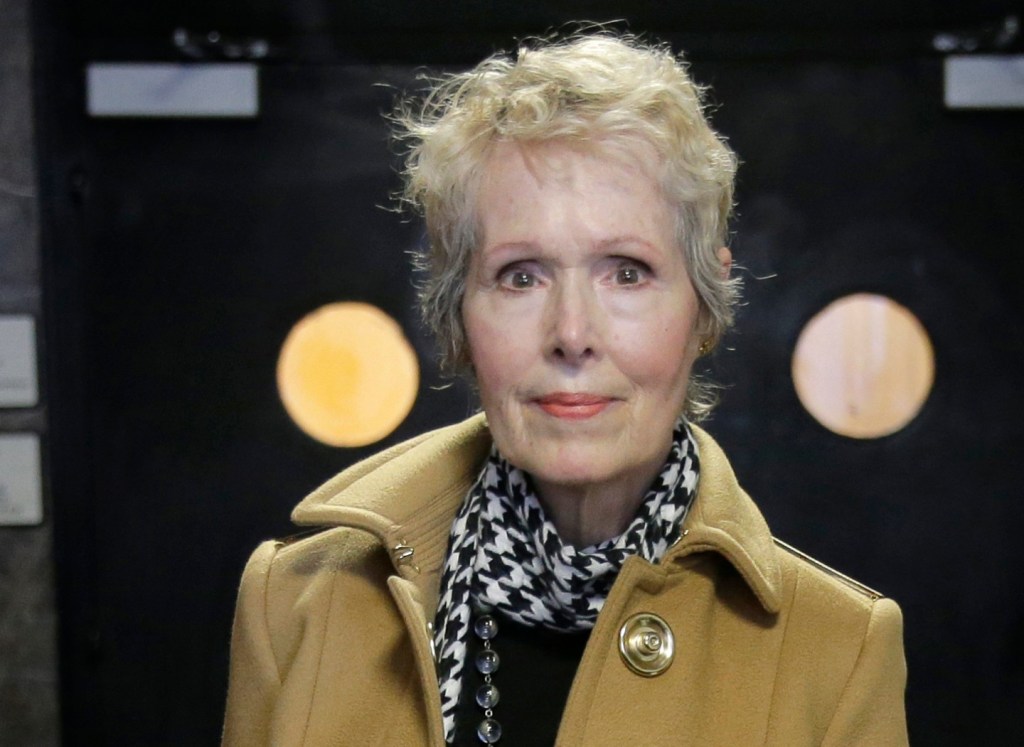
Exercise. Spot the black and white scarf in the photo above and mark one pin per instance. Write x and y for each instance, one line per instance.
(503, 552)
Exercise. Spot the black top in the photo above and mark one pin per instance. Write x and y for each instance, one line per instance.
(536, 671)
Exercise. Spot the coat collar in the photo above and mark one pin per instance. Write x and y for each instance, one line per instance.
(724, 519)
(407, 497)
(408, 494)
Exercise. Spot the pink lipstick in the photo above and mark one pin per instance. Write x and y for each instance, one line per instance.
(573, 405)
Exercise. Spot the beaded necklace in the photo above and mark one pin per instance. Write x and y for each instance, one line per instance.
(505, 552)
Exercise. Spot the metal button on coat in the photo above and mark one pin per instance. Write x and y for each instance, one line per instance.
(646, 644)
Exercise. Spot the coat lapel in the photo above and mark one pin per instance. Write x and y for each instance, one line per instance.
(725, 520)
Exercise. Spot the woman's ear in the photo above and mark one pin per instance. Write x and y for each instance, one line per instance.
(725, 259)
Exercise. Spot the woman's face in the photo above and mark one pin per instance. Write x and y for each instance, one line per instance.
(580, 317)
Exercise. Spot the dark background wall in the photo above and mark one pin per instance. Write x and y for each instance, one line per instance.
(179, 253)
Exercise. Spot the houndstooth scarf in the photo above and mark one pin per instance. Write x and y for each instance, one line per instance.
(503, 552)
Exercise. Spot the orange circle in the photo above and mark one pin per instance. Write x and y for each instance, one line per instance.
(347, 375)
(863, 366)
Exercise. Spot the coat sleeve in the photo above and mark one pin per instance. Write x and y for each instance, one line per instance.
(871, 710)
(253, 678)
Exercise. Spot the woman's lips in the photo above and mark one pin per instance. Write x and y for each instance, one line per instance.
(573, 405)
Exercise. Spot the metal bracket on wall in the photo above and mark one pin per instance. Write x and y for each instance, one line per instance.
(19, 385)
(139, 89)
(984, 82)
(981, 72)
(21, 492)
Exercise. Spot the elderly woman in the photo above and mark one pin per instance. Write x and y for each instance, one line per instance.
(578, 564)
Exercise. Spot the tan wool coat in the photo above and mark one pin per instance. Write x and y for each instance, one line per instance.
(331, 643)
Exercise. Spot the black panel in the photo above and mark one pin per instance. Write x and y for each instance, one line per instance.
(855, 179)
(123, 17)
(205, 243)
(413, 31)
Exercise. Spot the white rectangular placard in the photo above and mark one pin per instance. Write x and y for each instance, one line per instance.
(21, 494)
(984, 81)
(19, 386)
(138, 89)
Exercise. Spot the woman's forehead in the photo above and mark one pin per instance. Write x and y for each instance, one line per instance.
(554, 157)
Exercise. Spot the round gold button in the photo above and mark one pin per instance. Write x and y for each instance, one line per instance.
(646, 644)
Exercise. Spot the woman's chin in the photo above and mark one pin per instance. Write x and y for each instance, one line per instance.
(579, 470)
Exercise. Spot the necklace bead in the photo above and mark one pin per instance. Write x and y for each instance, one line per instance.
(489, 731)
(487, 696)
(487, 661)
(486, 627)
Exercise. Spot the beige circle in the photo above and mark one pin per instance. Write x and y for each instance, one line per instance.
(863, 366)
(347, 375)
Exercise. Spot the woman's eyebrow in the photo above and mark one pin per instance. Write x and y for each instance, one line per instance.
(627, 240)
(510, 248)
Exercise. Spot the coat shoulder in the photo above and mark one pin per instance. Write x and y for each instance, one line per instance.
(299, 569)
(328, 550)
(290, 586)
(840, 656)
(823, 605)
(800, 560)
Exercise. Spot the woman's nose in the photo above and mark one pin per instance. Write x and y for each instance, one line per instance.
(572, 317)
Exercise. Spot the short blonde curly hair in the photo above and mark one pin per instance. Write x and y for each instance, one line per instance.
(594, 90)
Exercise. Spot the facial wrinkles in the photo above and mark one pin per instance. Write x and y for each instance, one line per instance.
(557, 229)
(572, 220)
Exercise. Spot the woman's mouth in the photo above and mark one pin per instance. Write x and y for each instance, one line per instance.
(573, 405)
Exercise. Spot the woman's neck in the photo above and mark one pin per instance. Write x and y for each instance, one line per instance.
(586, 515)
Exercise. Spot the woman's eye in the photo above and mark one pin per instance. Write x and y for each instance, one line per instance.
(629, 274)
(518, 279)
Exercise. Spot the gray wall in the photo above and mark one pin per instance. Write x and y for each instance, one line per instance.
(28, 656)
